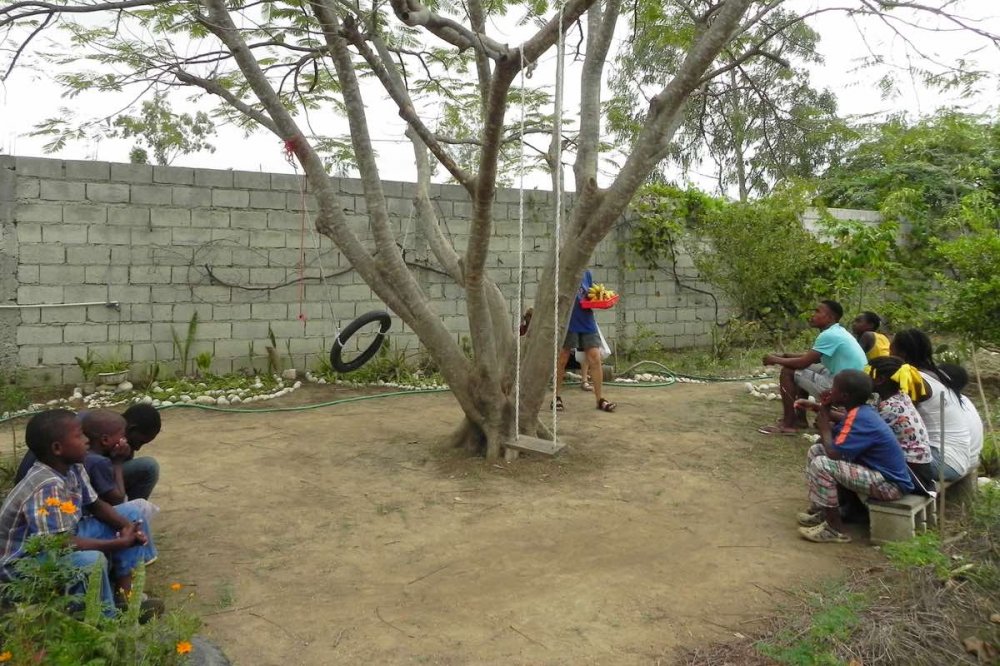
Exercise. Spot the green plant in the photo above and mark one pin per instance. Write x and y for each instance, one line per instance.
(989, 457)
(836, 614)
(204, 362)
(150, 374)
(46, 623)
(923, 550)
(182, 348)
(86, 365)
(274, 364)
(110, 365)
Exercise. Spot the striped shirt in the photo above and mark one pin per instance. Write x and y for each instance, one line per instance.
(44, 502)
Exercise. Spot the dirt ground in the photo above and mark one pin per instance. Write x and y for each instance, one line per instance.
(351, 534)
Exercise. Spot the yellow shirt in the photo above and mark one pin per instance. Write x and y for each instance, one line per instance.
(880, 348)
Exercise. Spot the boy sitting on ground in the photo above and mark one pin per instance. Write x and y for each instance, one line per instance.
(51, 499)
(865, 328)
(860, 453)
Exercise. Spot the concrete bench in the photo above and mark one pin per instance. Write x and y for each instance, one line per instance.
(899, 520)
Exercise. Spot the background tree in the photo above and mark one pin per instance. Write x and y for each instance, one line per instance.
(272, 65)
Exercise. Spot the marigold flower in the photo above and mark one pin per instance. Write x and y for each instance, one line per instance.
(6, 656)
(42, 511)
(175, 586)
(67, 507)
(52, 501)
(184, 647)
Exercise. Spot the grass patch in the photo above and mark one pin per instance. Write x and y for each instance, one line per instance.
(834, 616)
(924, 550)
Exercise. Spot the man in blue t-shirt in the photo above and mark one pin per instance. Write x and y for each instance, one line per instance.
(812, 373)
(856, 450)
(583, 334)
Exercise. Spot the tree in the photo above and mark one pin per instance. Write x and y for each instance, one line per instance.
(271, 63)
(760, 122)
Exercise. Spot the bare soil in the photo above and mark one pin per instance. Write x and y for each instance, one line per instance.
(351, 534)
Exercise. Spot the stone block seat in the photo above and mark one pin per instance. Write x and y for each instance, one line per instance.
(900, 520)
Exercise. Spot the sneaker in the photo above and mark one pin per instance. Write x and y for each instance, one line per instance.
(823, 533)
(809, 518)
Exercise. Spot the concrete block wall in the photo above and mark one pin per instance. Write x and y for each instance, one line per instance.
(167, 242)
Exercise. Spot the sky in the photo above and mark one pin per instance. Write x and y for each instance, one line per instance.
(26, 97)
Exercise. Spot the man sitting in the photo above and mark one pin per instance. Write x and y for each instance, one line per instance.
(812, 373)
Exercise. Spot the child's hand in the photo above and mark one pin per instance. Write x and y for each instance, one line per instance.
(120, 451)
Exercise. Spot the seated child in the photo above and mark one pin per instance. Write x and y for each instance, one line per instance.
(141, 425)
(141, 474)
(860, 453)
(865, 328)
(51, 499)
(900, 414)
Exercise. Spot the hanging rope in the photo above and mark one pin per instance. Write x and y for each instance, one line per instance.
(557, 137)
(520, 269)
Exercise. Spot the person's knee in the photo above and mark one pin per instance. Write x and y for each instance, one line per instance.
(818, 466)
(88, 559)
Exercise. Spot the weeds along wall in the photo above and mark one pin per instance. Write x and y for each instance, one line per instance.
(167, 242)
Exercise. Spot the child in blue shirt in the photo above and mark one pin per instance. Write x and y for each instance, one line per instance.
(856, 450)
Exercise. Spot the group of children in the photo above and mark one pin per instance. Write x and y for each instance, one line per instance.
(890, 420)
(81, 477)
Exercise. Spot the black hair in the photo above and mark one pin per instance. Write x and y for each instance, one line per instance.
(100, 422)
(873, 319)
(884, 367)
(915, 347)
(144, 419)
(836, 308)
(959, 375)
(855, 385)
(45, 428)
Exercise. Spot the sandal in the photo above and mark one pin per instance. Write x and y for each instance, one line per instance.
(823, 533)
(558, 404)
(810, 518)
(587, 386)
(777, 430)
(606, 405)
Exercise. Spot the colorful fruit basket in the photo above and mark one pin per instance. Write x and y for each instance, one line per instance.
(599, 297)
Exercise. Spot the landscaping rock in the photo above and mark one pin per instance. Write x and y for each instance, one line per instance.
(290, 374)
(203, 400)
(206, 653)
(123, 387)
(221, 401)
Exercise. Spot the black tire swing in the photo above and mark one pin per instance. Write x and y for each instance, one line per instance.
(337, 349)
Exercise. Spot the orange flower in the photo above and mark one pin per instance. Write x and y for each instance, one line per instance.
(184, 647)
(42, 511)
(52, 501)
(67, 507)
(175, 586)
(6, 656)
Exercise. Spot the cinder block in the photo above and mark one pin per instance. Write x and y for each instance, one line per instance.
(29, 357)
(170, 294)
(156, 195)
(267, 238)
(108, 192)
(268, 311)
(262, 199)
(285, 181)
(107, 314)
(355, 292)
(39, 335)
(32, 295)
(208, 293)
(29, 232)
(44, 253)
(132, 216)
(63, 315)
(102, 235)
(176, 175)
(247, 220)
(64, 233)
(251, 180)
(230, 198)
(131, 332)
(28, 274)
(288, 221)
(210, 218)
(87, 170)
(181, 236)
(136, 294)
(249, 257)
(236, 312)
(191, 197)
(86, 333)
(132, 173)
(182, 312)
(29, 188)
(84, 293)
(185, 274)
(61, 354)
(38, 213)
(64, 274)
(96, 256)
(81, 213)
(105, 274)
(170, 217)
(213, 178)
(214, 330)
(39, 166)
(149, 274)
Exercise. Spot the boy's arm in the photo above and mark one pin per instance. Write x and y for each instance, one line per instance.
(117, 494)
(825, 428)
(106, 513)
(126, 538)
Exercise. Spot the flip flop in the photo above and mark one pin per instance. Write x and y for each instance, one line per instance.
(606, 405)
(777, 430)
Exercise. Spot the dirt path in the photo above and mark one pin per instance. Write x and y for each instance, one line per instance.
(350, 534)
